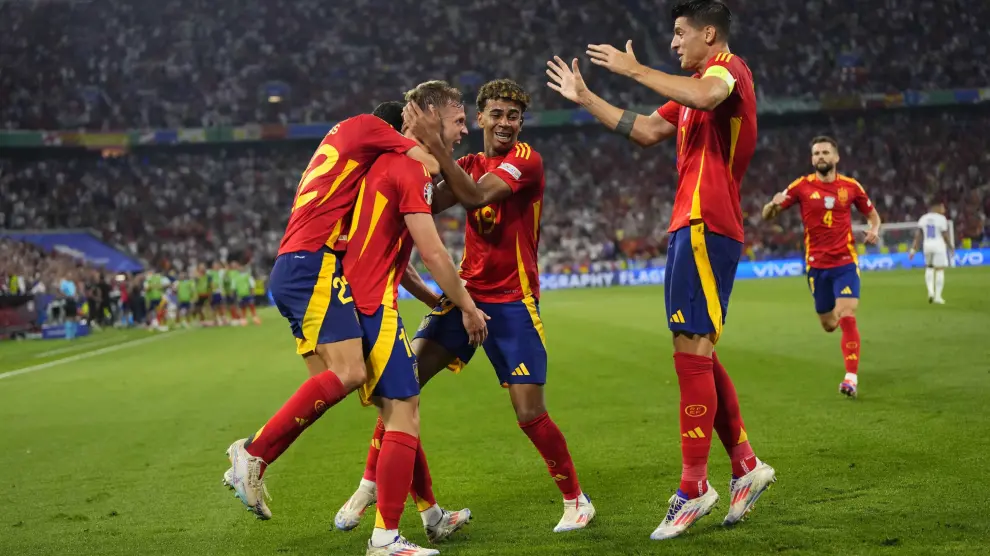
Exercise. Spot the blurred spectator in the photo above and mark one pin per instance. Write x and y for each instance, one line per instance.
(197, 63)
(605, 201)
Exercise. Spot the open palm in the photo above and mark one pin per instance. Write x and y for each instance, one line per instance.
(566, 80)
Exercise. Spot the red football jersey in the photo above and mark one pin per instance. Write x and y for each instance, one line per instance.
(826, 209)
(379, 245)
(501, 239)
(713, 151)
(328, 187)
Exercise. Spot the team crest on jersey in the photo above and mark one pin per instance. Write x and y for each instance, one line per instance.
(843, 195)
(428, 192)
(829, 203)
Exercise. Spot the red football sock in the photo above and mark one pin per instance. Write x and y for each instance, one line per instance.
(422, 482)
(395, 472)
(699, 403)
(729, 423)
(235, 313)
(314, 397)
(371, 464)
(850, 343)
(550, 442)
(253, 312)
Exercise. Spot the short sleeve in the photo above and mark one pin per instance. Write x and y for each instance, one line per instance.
(792, 193)
(414, 185)
(522, 168)
(720, 66)
(862, 200)
(670, 112)
(379, 137)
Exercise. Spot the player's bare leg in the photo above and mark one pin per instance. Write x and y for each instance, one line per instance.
(844, 315)
(250, 457)
(396, 463)
(432, 358)
(531, 412)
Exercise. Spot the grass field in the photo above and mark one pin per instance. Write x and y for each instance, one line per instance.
(121, 453)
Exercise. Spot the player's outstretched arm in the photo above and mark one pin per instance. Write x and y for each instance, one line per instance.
(424, 233)
(701, 94)
(645, 131)
(415, 285)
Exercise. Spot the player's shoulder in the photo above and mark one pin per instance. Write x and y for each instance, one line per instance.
(469, 159)
(732, 62)
(851, 180)
(401, 168)
(799, 182)
(527, 153)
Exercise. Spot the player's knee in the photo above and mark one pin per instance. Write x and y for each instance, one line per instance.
(352, 376)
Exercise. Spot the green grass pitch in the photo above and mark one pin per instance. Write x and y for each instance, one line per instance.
(122, 453)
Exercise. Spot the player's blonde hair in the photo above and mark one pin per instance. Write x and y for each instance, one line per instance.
(504, 89)
(436, 93)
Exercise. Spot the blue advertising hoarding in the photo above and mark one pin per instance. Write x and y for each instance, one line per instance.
(747, 270)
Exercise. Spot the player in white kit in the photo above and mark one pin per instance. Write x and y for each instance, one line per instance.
(933, 230)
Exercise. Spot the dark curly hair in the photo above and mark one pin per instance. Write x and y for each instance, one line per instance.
(504, 89)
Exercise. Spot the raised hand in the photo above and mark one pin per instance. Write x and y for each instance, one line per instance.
(566, 80)
(425, 126)
(613, 59)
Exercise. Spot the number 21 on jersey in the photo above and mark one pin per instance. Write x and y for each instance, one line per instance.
(303, 195)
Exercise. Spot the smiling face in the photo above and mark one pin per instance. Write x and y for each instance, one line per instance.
(501, 121)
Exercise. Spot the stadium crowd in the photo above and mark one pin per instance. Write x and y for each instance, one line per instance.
(191, 63)
(606, 201)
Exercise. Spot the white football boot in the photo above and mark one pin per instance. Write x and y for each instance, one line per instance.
(746, 490)
(245, 477)
(350, 514)
(684, 513)
(577, 514)
(448, 524)
(399, 547)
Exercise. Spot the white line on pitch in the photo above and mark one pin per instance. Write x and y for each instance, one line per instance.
(77, 347)
(87, 355)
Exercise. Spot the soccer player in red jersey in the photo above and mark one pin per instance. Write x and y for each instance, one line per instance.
(313, 294)
(826, 198)
(712, 115)
(393, 212)
(502, 189)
